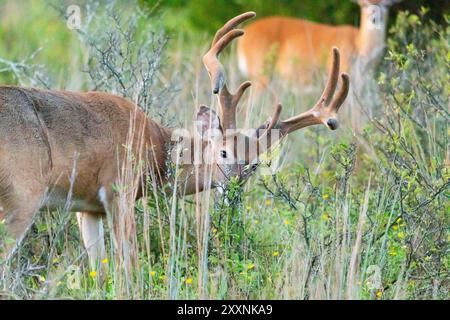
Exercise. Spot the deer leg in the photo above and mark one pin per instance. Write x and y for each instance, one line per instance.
(20, 204)
(117, 224)
(92, 234)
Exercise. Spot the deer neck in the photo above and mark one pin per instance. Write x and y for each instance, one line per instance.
(372, 32)
(183, 172)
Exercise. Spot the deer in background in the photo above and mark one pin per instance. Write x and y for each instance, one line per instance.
(56, 145)
(297, 49)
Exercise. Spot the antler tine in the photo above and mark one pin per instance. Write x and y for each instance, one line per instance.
(342, 94)
(217, 48)
(222, 38)
(212, 64)
(330, 87)
(231, 24)
(325, 110)
(267, 127)
(237, 96)
(228, 105)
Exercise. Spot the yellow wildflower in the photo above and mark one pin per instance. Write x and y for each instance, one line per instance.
(93, 274)
(325, 217)
(379, 294)
(152, 273)
(395, 227)
(250, 266)
(268, 202)
(326, 196)
(189, 280)
(275, 254)
(286, 222)
(393, 253)
(105, 261)
(163, 277)
(401, 235)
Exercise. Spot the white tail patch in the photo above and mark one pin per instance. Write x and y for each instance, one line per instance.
(242, 63)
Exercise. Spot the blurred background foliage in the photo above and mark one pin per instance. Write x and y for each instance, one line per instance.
(208, 15)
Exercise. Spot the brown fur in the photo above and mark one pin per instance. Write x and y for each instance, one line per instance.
(301, 47)
(44, 133)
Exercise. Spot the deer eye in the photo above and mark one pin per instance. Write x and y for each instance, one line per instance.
(223, 153)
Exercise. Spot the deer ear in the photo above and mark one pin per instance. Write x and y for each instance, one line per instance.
(208, 123)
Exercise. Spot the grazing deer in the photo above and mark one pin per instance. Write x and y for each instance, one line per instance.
(297, 49)
(47, 135)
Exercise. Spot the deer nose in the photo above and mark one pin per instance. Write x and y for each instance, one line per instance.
(332, 123)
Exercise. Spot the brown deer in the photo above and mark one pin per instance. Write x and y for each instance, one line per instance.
(297, 49)
(59, 143)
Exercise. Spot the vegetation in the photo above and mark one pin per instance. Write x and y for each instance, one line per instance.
(351, 215)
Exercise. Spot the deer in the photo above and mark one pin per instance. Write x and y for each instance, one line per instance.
(54, 143)
(297, 49)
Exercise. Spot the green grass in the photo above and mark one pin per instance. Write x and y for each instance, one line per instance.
(349, 215)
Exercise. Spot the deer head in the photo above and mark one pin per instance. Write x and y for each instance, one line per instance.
(235, 153)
